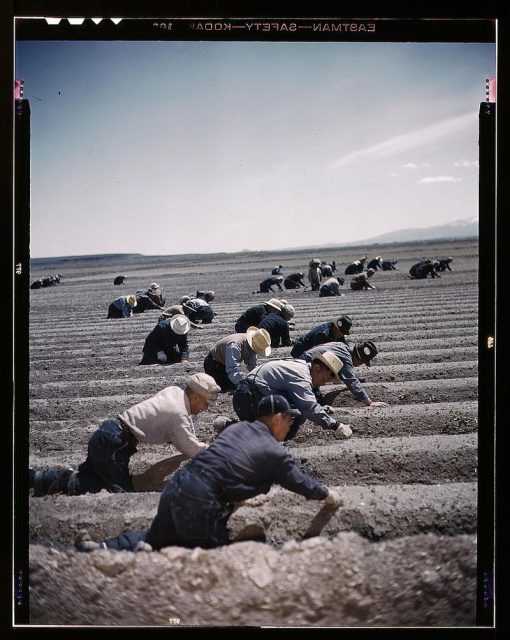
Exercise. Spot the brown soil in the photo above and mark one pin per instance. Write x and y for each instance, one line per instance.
(401, 551)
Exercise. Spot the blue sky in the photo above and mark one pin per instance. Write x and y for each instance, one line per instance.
(177, 147)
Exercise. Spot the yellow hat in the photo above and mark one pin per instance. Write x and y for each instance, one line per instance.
(259, 340)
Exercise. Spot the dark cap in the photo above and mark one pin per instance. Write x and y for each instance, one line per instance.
(366, 351)
(344, 323)
(272, 404)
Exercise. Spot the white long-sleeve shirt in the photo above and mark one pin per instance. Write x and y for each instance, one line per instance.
(165, 417)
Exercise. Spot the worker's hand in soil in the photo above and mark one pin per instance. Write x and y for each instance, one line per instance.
(333, 499)
(343, 431)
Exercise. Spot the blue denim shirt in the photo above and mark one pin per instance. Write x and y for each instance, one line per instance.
(252, 316)
(162, 338)
(278, 329)
(346, 373)
(122, 304)
(318, 335)
(246, 459)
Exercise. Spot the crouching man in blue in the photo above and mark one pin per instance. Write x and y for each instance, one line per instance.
(164, 418)
(295, 380)
(167, 343)
(333, 331)
(244, 461)
(361, 353)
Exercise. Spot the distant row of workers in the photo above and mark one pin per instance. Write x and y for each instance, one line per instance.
(47, 281)
(197, 308)
(321, 278)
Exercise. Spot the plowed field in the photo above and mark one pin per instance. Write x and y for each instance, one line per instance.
(401, 551)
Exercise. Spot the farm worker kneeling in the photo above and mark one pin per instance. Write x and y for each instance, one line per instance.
(278, 326)
(224, 361)
(122, 307)
(166, 417)
(244, 461)
(167, 342)
(361, 353)
(332, 331)
(296, 381)
(253, 315)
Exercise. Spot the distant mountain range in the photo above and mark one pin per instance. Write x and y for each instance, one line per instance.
(458, 229)
(466, 228)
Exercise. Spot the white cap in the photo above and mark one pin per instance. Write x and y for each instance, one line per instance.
(204, 385)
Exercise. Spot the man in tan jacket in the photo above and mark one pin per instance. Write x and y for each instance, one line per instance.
(164, 418)
(224, 361)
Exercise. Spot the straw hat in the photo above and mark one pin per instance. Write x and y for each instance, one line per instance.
(180, 324)
(275, 303)
(288, 310)
(259, 340)
(332, 362)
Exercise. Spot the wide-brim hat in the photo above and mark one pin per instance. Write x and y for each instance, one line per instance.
(131, 300)
(154, 285)
(344, 323)
(332, 362)
(366, 351)
(370, 271)
(259, 340)
(275, 303)
(205, 385)
(180, 324)
(289, 310)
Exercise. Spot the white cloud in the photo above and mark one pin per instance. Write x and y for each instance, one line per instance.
(413, 165)
(411, 140)
(393, 175)
(434, 179)
(466, 163)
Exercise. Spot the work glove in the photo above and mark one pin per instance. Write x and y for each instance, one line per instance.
(379, 404)
(343, 431)
(328, 409)
(161, 356)
(143, 546)
(333, 499)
